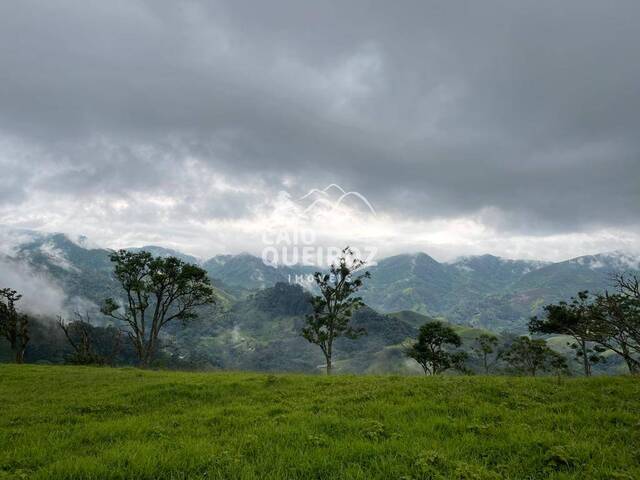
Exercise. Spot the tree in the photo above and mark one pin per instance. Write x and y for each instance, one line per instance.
(430, 351)
(616, 320)
(157, 291)
(627, 285)
(558, 364)
(90, 344)
(333, 308)
(531, 356)
(14, 326)
(576, 320)
(485, 348)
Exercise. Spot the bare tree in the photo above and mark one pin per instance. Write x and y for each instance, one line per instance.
(627, 284)
(87, 349)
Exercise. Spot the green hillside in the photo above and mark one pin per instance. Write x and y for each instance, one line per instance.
(92, 423)
(417, 320)
(262, 332)
(486, 291)
(259, 315)
(479, 291)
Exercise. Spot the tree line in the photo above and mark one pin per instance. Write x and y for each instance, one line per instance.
(157, 291)
(595, 323)
(598, 323)
(437, 348)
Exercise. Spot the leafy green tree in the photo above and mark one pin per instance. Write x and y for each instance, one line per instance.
(14, 326)
(558, 364)
(576, 320)
(486, 349)
(431, 350)
(156, 291)
(531, 356)
(333, 308)
(616, 326)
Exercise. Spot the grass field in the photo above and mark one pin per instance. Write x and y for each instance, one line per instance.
(76, 422)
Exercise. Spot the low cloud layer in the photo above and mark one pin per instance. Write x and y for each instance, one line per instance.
(40, 295)
(508, 127)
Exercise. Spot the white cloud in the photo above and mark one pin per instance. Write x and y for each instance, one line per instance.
(57, 257)
(41, 296)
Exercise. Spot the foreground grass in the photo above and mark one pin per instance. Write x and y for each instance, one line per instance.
(76, 422)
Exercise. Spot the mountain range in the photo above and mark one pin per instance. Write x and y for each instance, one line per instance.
(260, 311)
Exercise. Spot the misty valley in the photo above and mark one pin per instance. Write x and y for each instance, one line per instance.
(258, 315)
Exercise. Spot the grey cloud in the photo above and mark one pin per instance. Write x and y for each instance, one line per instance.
(431, 109)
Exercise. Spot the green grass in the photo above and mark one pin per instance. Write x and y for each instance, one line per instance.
(76, 422)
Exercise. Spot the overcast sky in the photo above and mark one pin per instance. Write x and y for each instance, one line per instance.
(510, 128)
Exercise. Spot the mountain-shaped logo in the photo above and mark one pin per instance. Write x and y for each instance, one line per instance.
(330, 199)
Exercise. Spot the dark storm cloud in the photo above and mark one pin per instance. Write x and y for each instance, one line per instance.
(528, 110)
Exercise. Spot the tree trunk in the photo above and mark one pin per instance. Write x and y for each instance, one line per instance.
(328, 354)
(20, 356)
(144, 358)
(585, 360)
(632, 364)
(146, 352)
